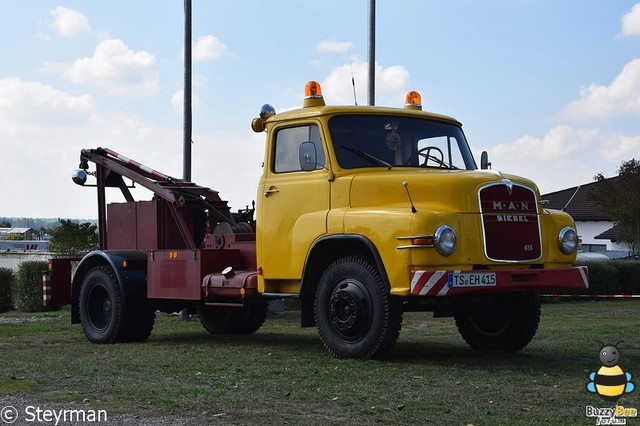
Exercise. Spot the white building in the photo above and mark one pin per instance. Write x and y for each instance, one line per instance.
(595, 227)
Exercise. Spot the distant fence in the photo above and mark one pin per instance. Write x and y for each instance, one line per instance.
(12, 259)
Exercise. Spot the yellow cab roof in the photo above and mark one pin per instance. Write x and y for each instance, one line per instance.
(320, 111)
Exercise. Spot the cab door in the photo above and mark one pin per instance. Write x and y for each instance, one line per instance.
(293, 201)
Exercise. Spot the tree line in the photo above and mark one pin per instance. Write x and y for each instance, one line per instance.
(620, 198)
(68, 238)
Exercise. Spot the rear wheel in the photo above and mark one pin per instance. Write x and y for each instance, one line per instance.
(508, 324)
(140, 323)
(101, 306)
(230, 320)
(355, 314)
(103, 314)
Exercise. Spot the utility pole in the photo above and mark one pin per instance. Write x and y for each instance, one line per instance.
(187, 126)
(372, 53)
(187, 114)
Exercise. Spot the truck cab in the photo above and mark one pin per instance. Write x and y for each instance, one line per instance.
(367, 212)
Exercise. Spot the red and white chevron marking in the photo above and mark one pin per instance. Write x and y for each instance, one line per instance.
(437, 283)
(429, 283)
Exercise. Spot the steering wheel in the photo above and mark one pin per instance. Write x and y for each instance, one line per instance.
(426, 153)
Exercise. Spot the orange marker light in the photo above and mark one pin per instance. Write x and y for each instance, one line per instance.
(413, 100)
(422, 241)
(313, 95)
(312, 90)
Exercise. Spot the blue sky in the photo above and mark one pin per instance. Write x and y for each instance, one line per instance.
(550, 88)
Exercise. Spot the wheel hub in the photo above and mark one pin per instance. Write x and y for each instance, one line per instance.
(349, 310)
(106, 307)
(100, 307)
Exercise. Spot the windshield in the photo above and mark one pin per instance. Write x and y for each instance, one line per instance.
(392, 141)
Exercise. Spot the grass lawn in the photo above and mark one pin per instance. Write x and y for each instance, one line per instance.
(282, 374)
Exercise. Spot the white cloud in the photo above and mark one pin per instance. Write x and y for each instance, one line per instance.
(558, 142)
(177, 101)
(37, 140)
(565, 156)
(38, 103)
(43, 129)
(620, 98)
(238, 158)
(208, 48)
(391, 84)
(618, 147)
(332, 46)
(117, 69)
(631, 22)
(68, 22)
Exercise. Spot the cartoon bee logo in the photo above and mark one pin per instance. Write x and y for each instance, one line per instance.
(610, 381)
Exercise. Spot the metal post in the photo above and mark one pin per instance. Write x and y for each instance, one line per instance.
(372, 53)
(187, 93)
(184, 314)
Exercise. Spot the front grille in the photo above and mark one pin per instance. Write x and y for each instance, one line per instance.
(510, 222)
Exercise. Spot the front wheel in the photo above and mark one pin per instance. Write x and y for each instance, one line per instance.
(355, 314)
(508, 324)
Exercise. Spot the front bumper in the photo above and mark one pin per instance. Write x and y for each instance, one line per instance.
(442, 283)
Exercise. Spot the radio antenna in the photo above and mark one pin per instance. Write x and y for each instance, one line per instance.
(353, 81)
(406, 186)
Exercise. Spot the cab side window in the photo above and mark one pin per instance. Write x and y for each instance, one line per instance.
(287, 145)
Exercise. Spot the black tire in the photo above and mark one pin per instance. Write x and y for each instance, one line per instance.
(139, 323)
(507, 325)
(355, 314)
(103, 315)
(231, 320)
(101, 306)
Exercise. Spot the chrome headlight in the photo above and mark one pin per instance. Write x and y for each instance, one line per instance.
(445, 240)
(568, 240)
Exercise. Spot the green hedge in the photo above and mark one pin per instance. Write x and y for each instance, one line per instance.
(28, 294)
(6, 279)
(613, 277)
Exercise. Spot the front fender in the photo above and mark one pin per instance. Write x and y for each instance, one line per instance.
(130, 267)
(321, 254)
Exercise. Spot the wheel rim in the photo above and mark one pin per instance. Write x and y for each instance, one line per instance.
(350, 310)
(99, 307)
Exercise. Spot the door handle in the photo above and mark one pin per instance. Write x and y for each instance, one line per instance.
(270, 191)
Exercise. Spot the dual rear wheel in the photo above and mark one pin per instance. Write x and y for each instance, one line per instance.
(233, 320)
(105, 317)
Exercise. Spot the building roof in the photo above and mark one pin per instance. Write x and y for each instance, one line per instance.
(9, 231)
(617, 233)
(578, 203)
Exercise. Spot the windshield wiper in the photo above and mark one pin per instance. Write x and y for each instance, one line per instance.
(367, 156)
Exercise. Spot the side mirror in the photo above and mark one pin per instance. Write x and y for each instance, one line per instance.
(308, 156)
(484, 161)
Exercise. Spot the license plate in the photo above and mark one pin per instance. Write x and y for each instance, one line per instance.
(472, 279)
